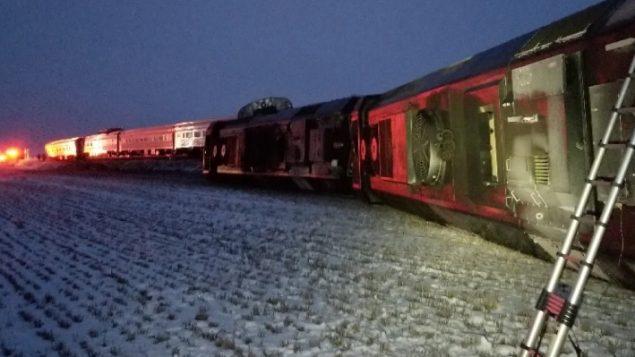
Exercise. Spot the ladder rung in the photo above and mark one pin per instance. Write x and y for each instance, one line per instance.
(615, 144)
(604, 181)
(625, 110)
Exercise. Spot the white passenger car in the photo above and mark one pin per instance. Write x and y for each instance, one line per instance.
(189, 137)
(104, 144)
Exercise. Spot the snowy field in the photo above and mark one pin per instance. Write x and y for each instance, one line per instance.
(116, 264)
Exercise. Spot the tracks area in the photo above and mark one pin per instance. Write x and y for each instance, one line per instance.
(118, 264)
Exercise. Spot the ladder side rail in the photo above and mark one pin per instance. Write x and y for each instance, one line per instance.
(575, 298)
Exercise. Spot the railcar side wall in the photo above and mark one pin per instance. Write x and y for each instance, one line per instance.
(512, 144)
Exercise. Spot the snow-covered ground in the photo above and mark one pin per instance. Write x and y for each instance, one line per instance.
(103, 264)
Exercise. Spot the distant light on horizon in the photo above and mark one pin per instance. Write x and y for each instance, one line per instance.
(12, 153)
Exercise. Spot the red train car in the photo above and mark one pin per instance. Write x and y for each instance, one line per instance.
(508, 134)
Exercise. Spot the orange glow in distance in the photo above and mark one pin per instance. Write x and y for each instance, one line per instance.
(12, 153)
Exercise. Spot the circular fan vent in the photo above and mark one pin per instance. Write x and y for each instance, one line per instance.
(432, 147)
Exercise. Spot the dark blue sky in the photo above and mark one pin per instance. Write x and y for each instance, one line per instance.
(73, 67)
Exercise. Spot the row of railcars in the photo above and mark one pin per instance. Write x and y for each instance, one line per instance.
(181, 139)
(499, 143)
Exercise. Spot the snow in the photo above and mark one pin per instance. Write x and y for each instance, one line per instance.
(105, 263)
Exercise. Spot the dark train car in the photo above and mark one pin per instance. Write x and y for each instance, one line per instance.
(508, 134)
(311, 142)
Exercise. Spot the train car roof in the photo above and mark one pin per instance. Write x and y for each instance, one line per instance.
(588, 21)
(199, 121)
(337, 106)
(623, 14)
(324, 109)
(491, 59)
(148, 128)
(103, 134)
(321, 109)
(592, 20)
(60, 141)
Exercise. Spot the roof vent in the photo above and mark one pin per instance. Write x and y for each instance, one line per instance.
(264, 106)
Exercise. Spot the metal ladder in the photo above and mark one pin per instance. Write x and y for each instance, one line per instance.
(554, 301)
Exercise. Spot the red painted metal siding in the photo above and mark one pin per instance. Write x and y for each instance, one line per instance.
(444, 195)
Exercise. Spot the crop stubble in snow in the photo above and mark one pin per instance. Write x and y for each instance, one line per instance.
(132, 265)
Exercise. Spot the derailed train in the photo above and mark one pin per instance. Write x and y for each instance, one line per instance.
(499, 143)
(507, 135)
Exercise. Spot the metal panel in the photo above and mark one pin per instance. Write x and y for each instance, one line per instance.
(539, 95)
(296, 148)
(536, 137)
(385, 148)
(539, 79)
(316, 146)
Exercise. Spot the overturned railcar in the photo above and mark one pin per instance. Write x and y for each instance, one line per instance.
(508, 134)
(310, 144)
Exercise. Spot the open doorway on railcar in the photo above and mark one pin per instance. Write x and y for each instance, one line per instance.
(482, 142)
